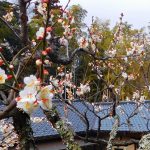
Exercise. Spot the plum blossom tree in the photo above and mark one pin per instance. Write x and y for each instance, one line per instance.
(26, 90)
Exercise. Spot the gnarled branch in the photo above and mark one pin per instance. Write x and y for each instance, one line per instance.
(7, 111)
(54, 56)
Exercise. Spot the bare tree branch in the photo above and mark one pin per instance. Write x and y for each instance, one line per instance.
(11, 28)
(64, 61)
(6, 112)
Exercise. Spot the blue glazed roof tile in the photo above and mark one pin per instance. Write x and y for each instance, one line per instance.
(137, 123)
(139, 115)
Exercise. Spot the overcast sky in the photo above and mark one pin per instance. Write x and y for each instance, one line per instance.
(136, 12)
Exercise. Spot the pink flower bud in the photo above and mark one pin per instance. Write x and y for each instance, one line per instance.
(9, 77)
(48, 29)
(48, 49)
(45, 1)
(44, 53)
(45, 72)
(1, 62)
(1, 49)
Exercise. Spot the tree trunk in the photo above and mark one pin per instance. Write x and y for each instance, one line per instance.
(23, 128)
(23, 21)
(21, 120)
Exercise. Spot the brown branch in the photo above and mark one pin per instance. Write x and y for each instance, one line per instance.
(19, 53)
(11, 87)
(22, 125)
(65, 61)
(67, 5)
(11, 28)
(7, 111)
(4, 98)
(26, 63)
(23, 22)
(99, 118)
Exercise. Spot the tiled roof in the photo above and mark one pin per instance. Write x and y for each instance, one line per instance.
(139, 115)
(137, 123)
(42, 128)
(45, 129)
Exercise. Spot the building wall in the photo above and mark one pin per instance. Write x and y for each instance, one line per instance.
(132, 147)
(129, 147)
(58, 145)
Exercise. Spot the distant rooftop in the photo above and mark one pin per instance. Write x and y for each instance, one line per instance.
(139, 115)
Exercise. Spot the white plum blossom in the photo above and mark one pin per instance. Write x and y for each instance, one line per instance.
(31, 81)
(105, 97)
(83, 89)
(149, 87)
(140, 49)
(67, 33)
(96, 38)
(55, 82)
(131, 77)
(83, 43)
(68, 83)
(136, 95)
(47, 62)
(9, 16)
(111, 86)
(60, 20)
(97, 108)
(124, 75)
(9, 137)
(125, 59)
(40, 33)
(142, 98)
(44, 97)
(28, 93)
(117, 90)
(40, 8)
(38, 62)
(111, 53)
(127, 98)
(30, 97)
(33, 43)
(93, 46)
(27, 104)
(38, 119)
(63, 42)
(3, 76)
(136, 49)
(72, 20)
(69, 76)
(48, 36)
(129, 51)
(144, 143)
(27, 100)
(79, 92)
